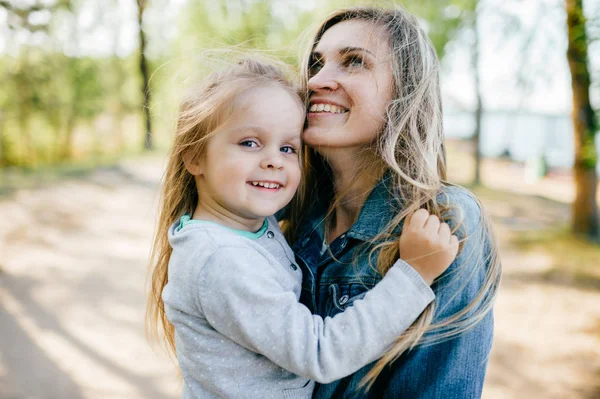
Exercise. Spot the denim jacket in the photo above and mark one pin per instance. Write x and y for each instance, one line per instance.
(449, 369)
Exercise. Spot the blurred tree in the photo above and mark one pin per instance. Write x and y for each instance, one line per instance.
(585, 125)
(118, 104)
(478, 99)
(26, 19)
(230, 22)
(85, 96)
(141, 6)
(471, 10)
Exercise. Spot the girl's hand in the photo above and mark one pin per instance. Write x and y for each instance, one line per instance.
(427, 245)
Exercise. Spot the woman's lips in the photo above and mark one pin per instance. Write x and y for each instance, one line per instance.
(326, 107)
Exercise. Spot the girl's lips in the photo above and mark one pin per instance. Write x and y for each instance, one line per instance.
(269, 185)
(266, 190)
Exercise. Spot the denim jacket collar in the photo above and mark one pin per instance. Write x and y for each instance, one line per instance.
(379, 208)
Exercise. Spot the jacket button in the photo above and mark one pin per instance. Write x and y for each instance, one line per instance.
(344, 299)
(270, 234)
(293, 267)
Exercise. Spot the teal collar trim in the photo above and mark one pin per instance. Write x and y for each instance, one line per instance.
(187, 220)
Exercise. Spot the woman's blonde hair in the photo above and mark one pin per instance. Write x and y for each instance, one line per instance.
(202, 111)
(411, 148)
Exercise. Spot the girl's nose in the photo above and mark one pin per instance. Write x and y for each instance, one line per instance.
(272, 161)
(325, 79)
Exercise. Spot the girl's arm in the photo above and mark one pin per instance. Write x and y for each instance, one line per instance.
(244, 298)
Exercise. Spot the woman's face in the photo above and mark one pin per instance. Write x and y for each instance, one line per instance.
(350, 83)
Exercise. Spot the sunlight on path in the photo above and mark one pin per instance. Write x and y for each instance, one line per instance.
(73, 260)
(72, 288)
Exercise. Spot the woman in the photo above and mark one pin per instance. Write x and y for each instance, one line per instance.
(375, 154)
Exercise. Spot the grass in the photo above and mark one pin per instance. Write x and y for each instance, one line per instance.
(15, 178)
(575, 260)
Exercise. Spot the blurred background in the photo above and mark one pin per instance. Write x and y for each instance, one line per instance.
(88, 92)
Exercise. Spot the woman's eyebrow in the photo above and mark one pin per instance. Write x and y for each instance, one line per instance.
(346, 50)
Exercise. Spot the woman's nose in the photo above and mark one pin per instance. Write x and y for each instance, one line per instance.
(324, 79)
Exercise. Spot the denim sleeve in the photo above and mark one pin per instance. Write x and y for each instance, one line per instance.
(453, 368)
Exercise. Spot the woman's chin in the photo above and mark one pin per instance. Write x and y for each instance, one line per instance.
(315, 136)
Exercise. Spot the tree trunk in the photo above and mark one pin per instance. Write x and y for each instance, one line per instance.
(584, 208)
(118, 112)
(3, 157)
(66, 152)
(479, 105)
(148, 144)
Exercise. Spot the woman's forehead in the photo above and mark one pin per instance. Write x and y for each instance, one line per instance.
(353, 34)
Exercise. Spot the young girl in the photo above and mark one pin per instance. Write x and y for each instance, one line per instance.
(226, 286)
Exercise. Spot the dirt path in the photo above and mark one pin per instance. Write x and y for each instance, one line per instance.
(72, 277)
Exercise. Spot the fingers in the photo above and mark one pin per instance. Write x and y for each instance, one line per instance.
(432, 225)
(454, 244)
(408, 219)
(418, 219)
(421, 219)
(444, 232)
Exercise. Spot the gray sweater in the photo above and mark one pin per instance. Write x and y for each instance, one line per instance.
(240, 331)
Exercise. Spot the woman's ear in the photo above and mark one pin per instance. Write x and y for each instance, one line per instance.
(192, 163)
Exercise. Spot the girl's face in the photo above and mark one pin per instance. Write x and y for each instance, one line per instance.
(251, 167)
(350, 83)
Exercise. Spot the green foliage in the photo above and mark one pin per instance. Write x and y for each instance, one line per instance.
(52, 104)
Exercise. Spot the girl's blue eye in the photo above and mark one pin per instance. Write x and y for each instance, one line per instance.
(288, 149)
(249, 144)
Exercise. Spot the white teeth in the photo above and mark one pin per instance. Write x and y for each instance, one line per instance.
(333, 109)
(265, 184)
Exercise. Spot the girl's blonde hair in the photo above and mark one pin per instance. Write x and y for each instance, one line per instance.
(202, 111)
(410, 147)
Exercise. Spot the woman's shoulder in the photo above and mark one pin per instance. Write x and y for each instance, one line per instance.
(461, 208)
(454, 195)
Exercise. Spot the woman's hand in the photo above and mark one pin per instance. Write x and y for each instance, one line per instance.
(427, 245)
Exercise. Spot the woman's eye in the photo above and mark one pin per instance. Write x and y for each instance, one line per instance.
(249, 143)
(354, 61)
(315, 65)
(288, 149)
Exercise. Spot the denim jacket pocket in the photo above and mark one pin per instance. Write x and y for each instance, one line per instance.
(342, 296)
(304, 392)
